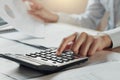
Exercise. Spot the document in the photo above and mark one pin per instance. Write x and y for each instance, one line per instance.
(103, 71)
(15, 13)
(6, 77)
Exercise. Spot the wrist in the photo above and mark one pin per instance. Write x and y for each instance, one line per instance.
(108, 41)
(56, 17)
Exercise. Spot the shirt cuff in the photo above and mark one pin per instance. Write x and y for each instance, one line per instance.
(70, 19)
(114, 35)
(66, 18)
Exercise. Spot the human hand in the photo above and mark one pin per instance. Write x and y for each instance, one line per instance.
(38, 11)
(84, 44)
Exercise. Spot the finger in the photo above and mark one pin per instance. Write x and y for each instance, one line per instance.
(25, 0)
(65, 42)
(68, 47)
(28, 2)
(33, 1)
(78, 42)
(36, 16)
(30, 5)
(36, 4)
(93, 47)
(33, 4)
(86, 46)
(35, 8)
(39, 15)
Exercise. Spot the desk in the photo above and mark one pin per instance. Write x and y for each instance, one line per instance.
(58, 31)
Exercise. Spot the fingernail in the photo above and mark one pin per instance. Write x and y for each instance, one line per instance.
(57, 53)
(28, 4)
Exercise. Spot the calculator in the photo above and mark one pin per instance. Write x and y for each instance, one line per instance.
(47, 60)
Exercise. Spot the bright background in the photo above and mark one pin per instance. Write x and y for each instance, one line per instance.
(70, 6)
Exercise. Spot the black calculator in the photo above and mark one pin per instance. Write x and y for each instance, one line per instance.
(47, 60)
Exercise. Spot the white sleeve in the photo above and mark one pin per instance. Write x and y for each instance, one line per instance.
(115, 36)
(90, 19)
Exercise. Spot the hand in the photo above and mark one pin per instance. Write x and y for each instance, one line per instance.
(39, 12)
(84, 44)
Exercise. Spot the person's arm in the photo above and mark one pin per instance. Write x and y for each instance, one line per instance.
(90, 19)
(37, 10)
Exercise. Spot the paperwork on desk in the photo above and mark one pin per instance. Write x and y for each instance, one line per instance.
(15, 13)
(54, 34)
(10, 69)
(5, 77)
(104, 71)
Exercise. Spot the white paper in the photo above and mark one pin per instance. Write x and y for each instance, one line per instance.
(103, 71)
(54, 34)
(15, 13)
(5, 77)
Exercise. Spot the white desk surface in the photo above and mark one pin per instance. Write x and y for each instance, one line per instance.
(53, 36)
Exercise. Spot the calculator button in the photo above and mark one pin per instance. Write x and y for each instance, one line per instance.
(60, 58)
(49, 54)
(33, 55)
(37, 54)
(70, 58)
(54, 51)
(43, 56)
(42, 53)
(60, 61)
(63, 54)
(69, 55)
(66, 60)
(28, 55)
(48, 57)
(54, 59)
(53, 56)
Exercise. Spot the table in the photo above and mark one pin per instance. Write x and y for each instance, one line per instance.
(55, 33)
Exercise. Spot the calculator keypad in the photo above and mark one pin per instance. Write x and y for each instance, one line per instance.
(50, 54)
